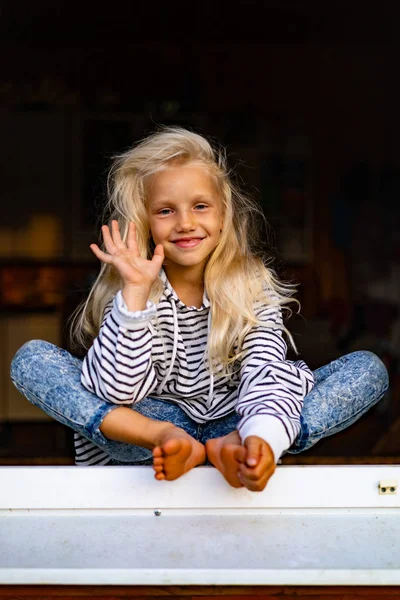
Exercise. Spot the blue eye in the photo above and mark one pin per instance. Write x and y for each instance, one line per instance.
(164, 211)
(201, 206)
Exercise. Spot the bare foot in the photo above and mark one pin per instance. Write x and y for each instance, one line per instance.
(227, 453)
(176, 453)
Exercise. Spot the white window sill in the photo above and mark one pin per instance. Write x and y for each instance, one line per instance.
(312, 525)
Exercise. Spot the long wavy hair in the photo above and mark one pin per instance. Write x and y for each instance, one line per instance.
(237, 273)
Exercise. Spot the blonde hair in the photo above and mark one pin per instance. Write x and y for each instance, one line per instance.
(236, 275)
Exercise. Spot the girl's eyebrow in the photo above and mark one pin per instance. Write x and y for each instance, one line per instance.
(205, 198)
(198, 198)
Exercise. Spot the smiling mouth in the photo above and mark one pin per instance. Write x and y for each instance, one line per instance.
(188, 242)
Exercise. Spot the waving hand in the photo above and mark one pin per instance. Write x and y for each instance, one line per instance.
(137, 273)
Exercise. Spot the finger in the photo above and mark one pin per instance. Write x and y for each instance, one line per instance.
(131, 240)
(266, 462)
(116, 235)
(253, 446)
(256, 474)
(107, 239)
(100, 254)
(159, 249)
(256, 479)
(158, 255)
(257, 485)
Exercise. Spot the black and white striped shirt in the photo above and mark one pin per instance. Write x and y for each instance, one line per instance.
(159, 353)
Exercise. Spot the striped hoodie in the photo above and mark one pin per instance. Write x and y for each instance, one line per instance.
(160, 353)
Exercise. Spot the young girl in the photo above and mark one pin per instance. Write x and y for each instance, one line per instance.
(186, 358)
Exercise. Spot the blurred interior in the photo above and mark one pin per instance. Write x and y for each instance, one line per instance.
(307, 107)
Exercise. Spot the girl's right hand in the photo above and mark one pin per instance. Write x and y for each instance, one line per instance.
(138, 274)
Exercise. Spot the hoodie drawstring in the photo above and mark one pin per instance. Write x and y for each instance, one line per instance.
(160, 387)
(211, 389)
(174, 349)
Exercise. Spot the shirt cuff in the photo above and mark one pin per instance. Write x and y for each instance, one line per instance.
(268, 428)
(128, 319)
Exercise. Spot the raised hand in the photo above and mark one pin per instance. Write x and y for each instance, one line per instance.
(137, 273)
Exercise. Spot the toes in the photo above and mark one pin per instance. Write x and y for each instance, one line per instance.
(157, 452)
(159, 462)
(176, 456)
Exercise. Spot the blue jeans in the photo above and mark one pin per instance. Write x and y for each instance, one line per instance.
(49, 377)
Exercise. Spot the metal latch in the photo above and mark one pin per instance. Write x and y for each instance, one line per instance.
(388, 486)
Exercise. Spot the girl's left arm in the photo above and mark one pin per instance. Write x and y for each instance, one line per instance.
(271, 390)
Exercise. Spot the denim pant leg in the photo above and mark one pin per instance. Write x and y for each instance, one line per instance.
(344, 390)
(218, 427)
(50, 378)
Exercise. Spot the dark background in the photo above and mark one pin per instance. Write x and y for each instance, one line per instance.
(305, 97)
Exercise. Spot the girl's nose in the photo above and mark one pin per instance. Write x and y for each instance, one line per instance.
(185, 221)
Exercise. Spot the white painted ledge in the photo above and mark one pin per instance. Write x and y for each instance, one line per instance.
(312, 525)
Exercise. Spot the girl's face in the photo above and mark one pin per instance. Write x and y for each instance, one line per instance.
(185, 216)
